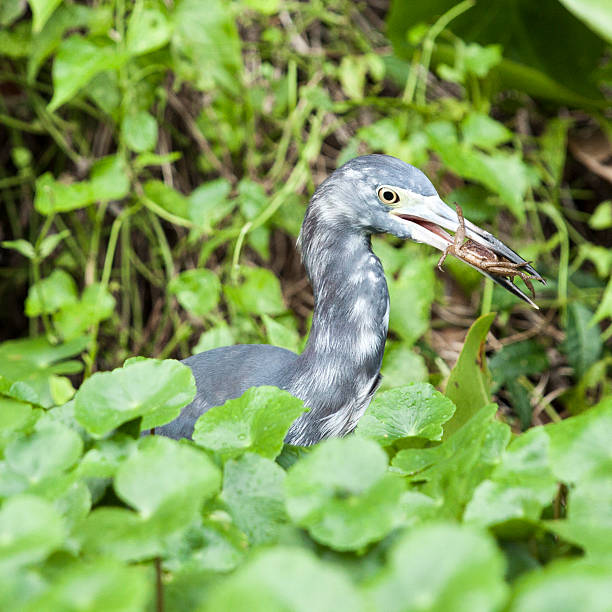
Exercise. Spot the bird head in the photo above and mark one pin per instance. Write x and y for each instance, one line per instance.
(382, 194)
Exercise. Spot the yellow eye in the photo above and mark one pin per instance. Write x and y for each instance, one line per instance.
(387, 196)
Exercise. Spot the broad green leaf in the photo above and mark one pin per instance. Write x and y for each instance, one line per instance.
(209, 203)
(48, 451)
(281, 335)
(580, 445)
(482, 131)
(564, 586)
(283, 580)
(117, 532)
(35, 359)
(167, 198)
(42, 10)
(97, 586)
(75, 318)
(74, 503)
(437, 568)
(258, 293)
(589, 516)
(105, 457)
(108, 399)
(77, 61)
(402, 365)
(13, 415)
(30, 529)
(267, 7)
(343, 494)
(450, 472)
(411, 297)
(583, 344)
(469, 381)
(206, 45)
(109, 181)
(162, 473)
(197, 291)
(519, 487)
(139, 131)
(553, 145)
(220, 335)
(254, 495)
(602, 216)
(10, 11)
(45, 42)
(50, 294)
(597, 14)
(109, 178)
(252, 198)
(414, 410)
(255, 422)
(148, 29)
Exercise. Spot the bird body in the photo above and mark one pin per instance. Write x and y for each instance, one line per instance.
(339, 370)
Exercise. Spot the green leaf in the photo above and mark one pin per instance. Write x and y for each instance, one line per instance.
(14, 414)
(519, 487)
(119, 533)
(564, 586)
(167, 198)
(109, 181)
(401, 365)
(108, 399)
(281, 335)
(10, 11)
(583, 344)
(30, 529)
(197, 291)
(468, 384)
(342, 493)
(255, 422)
(97, 586)
(48, 451)
(148, 29)
(254, 495)
(75, 318)
(21, 246)
(267, 7)
(553, 145)
(42, 10)
(414, 410)
(259, 293)
(518, 359)
(450, 472)
(209, 203)
(166, 478)
(482, 131)
(438, 568)
(602, 216)
(411, 297)
(580, 445)
(139, 131)
(596, 14)
(206, 45)
(220, 335)
(48, 245)
(284, 579)
(50, 294)
(77, 61)
(589, 516)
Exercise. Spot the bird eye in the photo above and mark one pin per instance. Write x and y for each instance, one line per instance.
(387, 195)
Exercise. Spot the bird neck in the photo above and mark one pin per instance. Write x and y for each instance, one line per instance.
(338, 371)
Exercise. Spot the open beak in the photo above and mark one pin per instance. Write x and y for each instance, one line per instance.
(429, 216)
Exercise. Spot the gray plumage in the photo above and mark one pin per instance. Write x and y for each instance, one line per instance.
(339, 369)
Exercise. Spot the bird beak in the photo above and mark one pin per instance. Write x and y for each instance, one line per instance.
(426, 218)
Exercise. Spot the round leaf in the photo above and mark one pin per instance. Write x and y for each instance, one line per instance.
(196, 290)
(139, 132)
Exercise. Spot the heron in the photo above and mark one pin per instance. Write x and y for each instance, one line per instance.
(338, 372)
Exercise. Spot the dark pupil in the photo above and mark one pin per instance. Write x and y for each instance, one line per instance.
(388, 196)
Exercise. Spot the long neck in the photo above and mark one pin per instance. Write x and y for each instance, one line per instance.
(338, 371)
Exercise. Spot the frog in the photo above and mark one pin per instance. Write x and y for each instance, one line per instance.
(481, 257)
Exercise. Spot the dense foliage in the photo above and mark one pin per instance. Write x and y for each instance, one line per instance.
(156, 160)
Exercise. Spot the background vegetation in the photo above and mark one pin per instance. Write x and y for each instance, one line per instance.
(156, 161)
